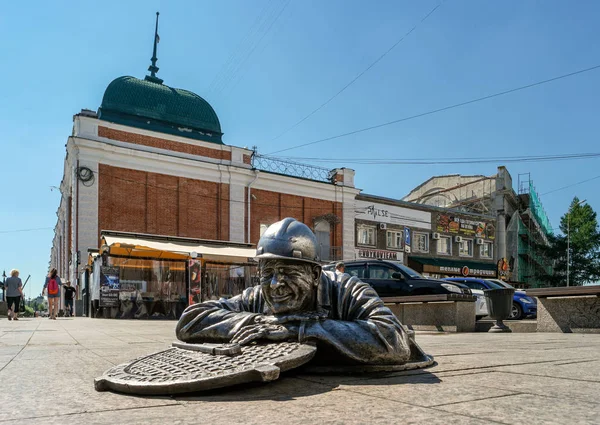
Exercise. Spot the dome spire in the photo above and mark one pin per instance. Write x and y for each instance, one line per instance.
(153, 68)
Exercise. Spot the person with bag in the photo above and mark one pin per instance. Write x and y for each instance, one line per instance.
(14, 292)
(52, 289)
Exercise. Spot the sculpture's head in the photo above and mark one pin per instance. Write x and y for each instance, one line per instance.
(289, 267)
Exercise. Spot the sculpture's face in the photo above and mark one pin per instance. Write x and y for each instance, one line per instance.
(289, 286)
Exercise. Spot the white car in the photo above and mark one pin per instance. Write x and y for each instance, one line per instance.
(481, 308)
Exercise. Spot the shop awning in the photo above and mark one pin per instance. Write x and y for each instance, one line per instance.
(454, 267)
(133, 246)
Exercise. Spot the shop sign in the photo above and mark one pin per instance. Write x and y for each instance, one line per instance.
(447, 223)
(465, 271)
(109, 286)
(390, 214)
(380, 254)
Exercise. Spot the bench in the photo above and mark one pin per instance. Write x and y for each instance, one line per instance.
(568, 309)
(443, 312)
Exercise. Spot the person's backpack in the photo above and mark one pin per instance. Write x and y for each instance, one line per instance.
(52, 287)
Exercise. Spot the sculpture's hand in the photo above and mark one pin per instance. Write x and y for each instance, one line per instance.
(264, 331)
(289, 318)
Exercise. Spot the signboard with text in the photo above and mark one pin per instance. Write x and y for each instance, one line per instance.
(390, 214)
(109, 286)
(449, 223)
(465, 271)
(380, 254)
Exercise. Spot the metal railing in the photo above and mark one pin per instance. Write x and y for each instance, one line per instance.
(290, 168)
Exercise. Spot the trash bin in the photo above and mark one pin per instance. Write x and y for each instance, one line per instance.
(499, 303)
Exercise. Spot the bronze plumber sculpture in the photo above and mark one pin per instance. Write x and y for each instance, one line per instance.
(297, 316)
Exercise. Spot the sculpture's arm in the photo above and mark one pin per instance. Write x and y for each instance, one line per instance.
(219, 321)
(361, 328)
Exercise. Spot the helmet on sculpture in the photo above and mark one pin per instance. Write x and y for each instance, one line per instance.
(288, 239)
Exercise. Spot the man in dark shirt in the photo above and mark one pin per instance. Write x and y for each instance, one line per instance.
(69, 295)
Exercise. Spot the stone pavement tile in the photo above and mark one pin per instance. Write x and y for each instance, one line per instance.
(328, 407)
(59, 386)
(585, 370)
(424, 390)
(530, 409)
(538, 385)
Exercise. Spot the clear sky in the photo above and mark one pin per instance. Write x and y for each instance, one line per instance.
(265, 64)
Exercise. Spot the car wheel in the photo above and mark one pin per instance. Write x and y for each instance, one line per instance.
(516, 313)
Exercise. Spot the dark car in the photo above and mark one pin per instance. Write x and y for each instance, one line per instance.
(392, 279)
(523, 305)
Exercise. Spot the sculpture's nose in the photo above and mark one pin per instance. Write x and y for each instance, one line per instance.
(277, 280)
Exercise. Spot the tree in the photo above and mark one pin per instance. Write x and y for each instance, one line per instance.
(579, 227)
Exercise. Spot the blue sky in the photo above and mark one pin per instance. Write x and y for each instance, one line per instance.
(58, 57)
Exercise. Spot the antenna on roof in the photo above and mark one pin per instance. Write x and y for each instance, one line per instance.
(153, 68)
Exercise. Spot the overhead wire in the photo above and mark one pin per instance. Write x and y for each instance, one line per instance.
(26, 230)
(363, 72)
(441, 161)
(445, 108)
(269, 25)
(240, 47)
(570, 185)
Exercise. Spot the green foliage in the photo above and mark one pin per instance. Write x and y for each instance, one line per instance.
(28, 311)
(581, 235)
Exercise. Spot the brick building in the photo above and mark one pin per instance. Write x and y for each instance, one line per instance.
(151, 166)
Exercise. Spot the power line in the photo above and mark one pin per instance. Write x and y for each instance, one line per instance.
(240, 47)
(445, 108)
(237, 69)
(363, 72)
(26, 230)
(442, 161)
(571, 185)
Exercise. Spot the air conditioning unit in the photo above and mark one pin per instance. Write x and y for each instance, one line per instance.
(458, 239)
(479, 241)
(407, 249)
(382, 226)
(435, 236)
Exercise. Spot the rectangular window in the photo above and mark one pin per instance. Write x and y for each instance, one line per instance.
(394, 240)
(444, 245)
(465, 248)
(420, 242)
(486, 250)
(366, 235)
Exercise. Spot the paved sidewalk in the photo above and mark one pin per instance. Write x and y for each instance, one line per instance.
(47, 370)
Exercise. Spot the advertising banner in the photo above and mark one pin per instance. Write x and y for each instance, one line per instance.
(109, 286)
(448, 223)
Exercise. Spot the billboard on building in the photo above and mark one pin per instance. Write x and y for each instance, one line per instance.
(451, 223)
(390, 214)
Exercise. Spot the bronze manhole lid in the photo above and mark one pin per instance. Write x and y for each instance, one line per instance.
(199, 367)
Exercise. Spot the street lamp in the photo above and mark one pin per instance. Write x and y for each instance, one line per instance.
(569, 236)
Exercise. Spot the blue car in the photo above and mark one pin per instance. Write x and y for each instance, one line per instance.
(523, 305)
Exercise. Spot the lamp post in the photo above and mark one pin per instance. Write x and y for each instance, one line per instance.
(569, 236)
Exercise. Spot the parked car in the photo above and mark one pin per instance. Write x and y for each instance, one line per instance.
(523, 305)
(394, 279)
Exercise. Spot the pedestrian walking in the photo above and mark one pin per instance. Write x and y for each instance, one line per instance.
(52, 289)
(340, 270)
(69, 295)
(14, 292)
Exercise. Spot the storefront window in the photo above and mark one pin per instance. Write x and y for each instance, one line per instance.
(465, 248)
(366, 235)
(444, 245)
(420, 242)
(150, 288)
(486, 250)
(394, 240)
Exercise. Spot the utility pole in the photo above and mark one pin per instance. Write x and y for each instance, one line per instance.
(569, 236)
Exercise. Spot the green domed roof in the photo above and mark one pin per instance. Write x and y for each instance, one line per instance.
(155, 106)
